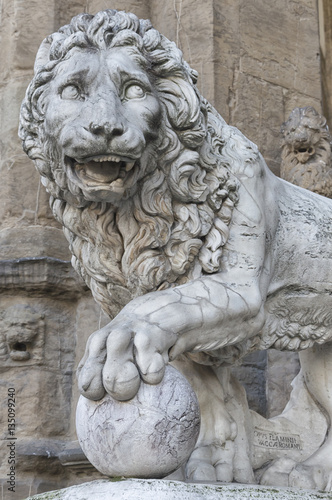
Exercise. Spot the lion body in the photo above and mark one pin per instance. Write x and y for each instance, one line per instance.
(174, 220)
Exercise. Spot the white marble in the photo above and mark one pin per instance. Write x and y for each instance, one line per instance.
(186, 239)
(151, 435)
(173, 490)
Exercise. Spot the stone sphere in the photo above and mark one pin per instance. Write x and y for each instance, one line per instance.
(149, 436)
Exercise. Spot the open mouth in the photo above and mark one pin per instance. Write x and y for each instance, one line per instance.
(102, 169)
(304, 152)
(304, 149)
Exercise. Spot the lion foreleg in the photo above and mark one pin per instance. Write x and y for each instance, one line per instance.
(222, 451)
(202, 315)
(213, 457)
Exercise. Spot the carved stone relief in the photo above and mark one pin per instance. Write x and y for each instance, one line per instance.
(306, 151)
(37, 355)
(22, 335)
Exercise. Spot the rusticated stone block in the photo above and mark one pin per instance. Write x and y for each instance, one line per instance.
(24, 32)
(257, 110)
(294, 99)
(32, 242)
(273, 55)
(17, 203)
(138, 7)
(192, 31)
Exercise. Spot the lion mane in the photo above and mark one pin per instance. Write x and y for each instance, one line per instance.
(306, 151)
(173, 228)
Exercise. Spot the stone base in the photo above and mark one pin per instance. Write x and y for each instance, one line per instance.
(150, 489)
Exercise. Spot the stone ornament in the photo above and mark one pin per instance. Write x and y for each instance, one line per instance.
(187, 240)
(21, 336)
(152, 435)
(306, 151)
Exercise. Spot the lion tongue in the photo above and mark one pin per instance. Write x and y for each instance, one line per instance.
(104, 171)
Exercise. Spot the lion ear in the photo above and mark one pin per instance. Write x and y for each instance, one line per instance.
(43, 54)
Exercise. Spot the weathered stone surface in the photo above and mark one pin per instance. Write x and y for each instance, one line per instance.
(306, 151)
(40, 276)
(154, 191)
(278, 61)
(256, 116)
(33, 242)
(152, 435)
(325, 31)
(282, 368)
(24, 30)
(211, 36)
(172, 490)
(252, 375)
(193, 33)
(139, 7)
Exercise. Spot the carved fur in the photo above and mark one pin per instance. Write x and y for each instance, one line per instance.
(197, 208)
(188, 192)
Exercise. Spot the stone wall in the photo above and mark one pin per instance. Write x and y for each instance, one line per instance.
(325, 31)
(257, 60)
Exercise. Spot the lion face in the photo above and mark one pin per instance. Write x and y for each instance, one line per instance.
(303, 133)
(102, 115)
(302, 141)
(306, 151)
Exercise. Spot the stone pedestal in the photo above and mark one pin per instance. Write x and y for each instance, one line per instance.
(150, 489)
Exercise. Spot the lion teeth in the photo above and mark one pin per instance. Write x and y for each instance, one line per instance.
(129, 166)
(104, 169)
(107, 158)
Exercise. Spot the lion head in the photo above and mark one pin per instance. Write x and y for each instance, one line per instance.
(306, 151)
(137, 163)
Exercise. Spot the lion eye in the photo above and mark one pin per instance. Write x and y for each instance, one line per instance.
(70, 92)
(134, 92)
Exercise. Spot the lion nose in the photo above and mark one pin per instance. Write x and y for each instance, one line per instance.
(106, 117)
(107, 127)
(301, 135)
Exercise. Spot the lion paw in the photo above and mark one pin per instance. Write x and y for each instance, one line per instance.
(278, 473)
(121, 354)
(306, 475)
(316, 471)
(211, 463)
(311, 477)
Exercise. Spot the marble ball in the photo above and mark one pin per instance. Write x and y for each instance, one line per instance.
(149, 436)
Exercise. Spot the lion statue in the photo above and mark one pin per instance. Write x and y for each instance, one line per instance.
(306, 151)
(195, 250)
